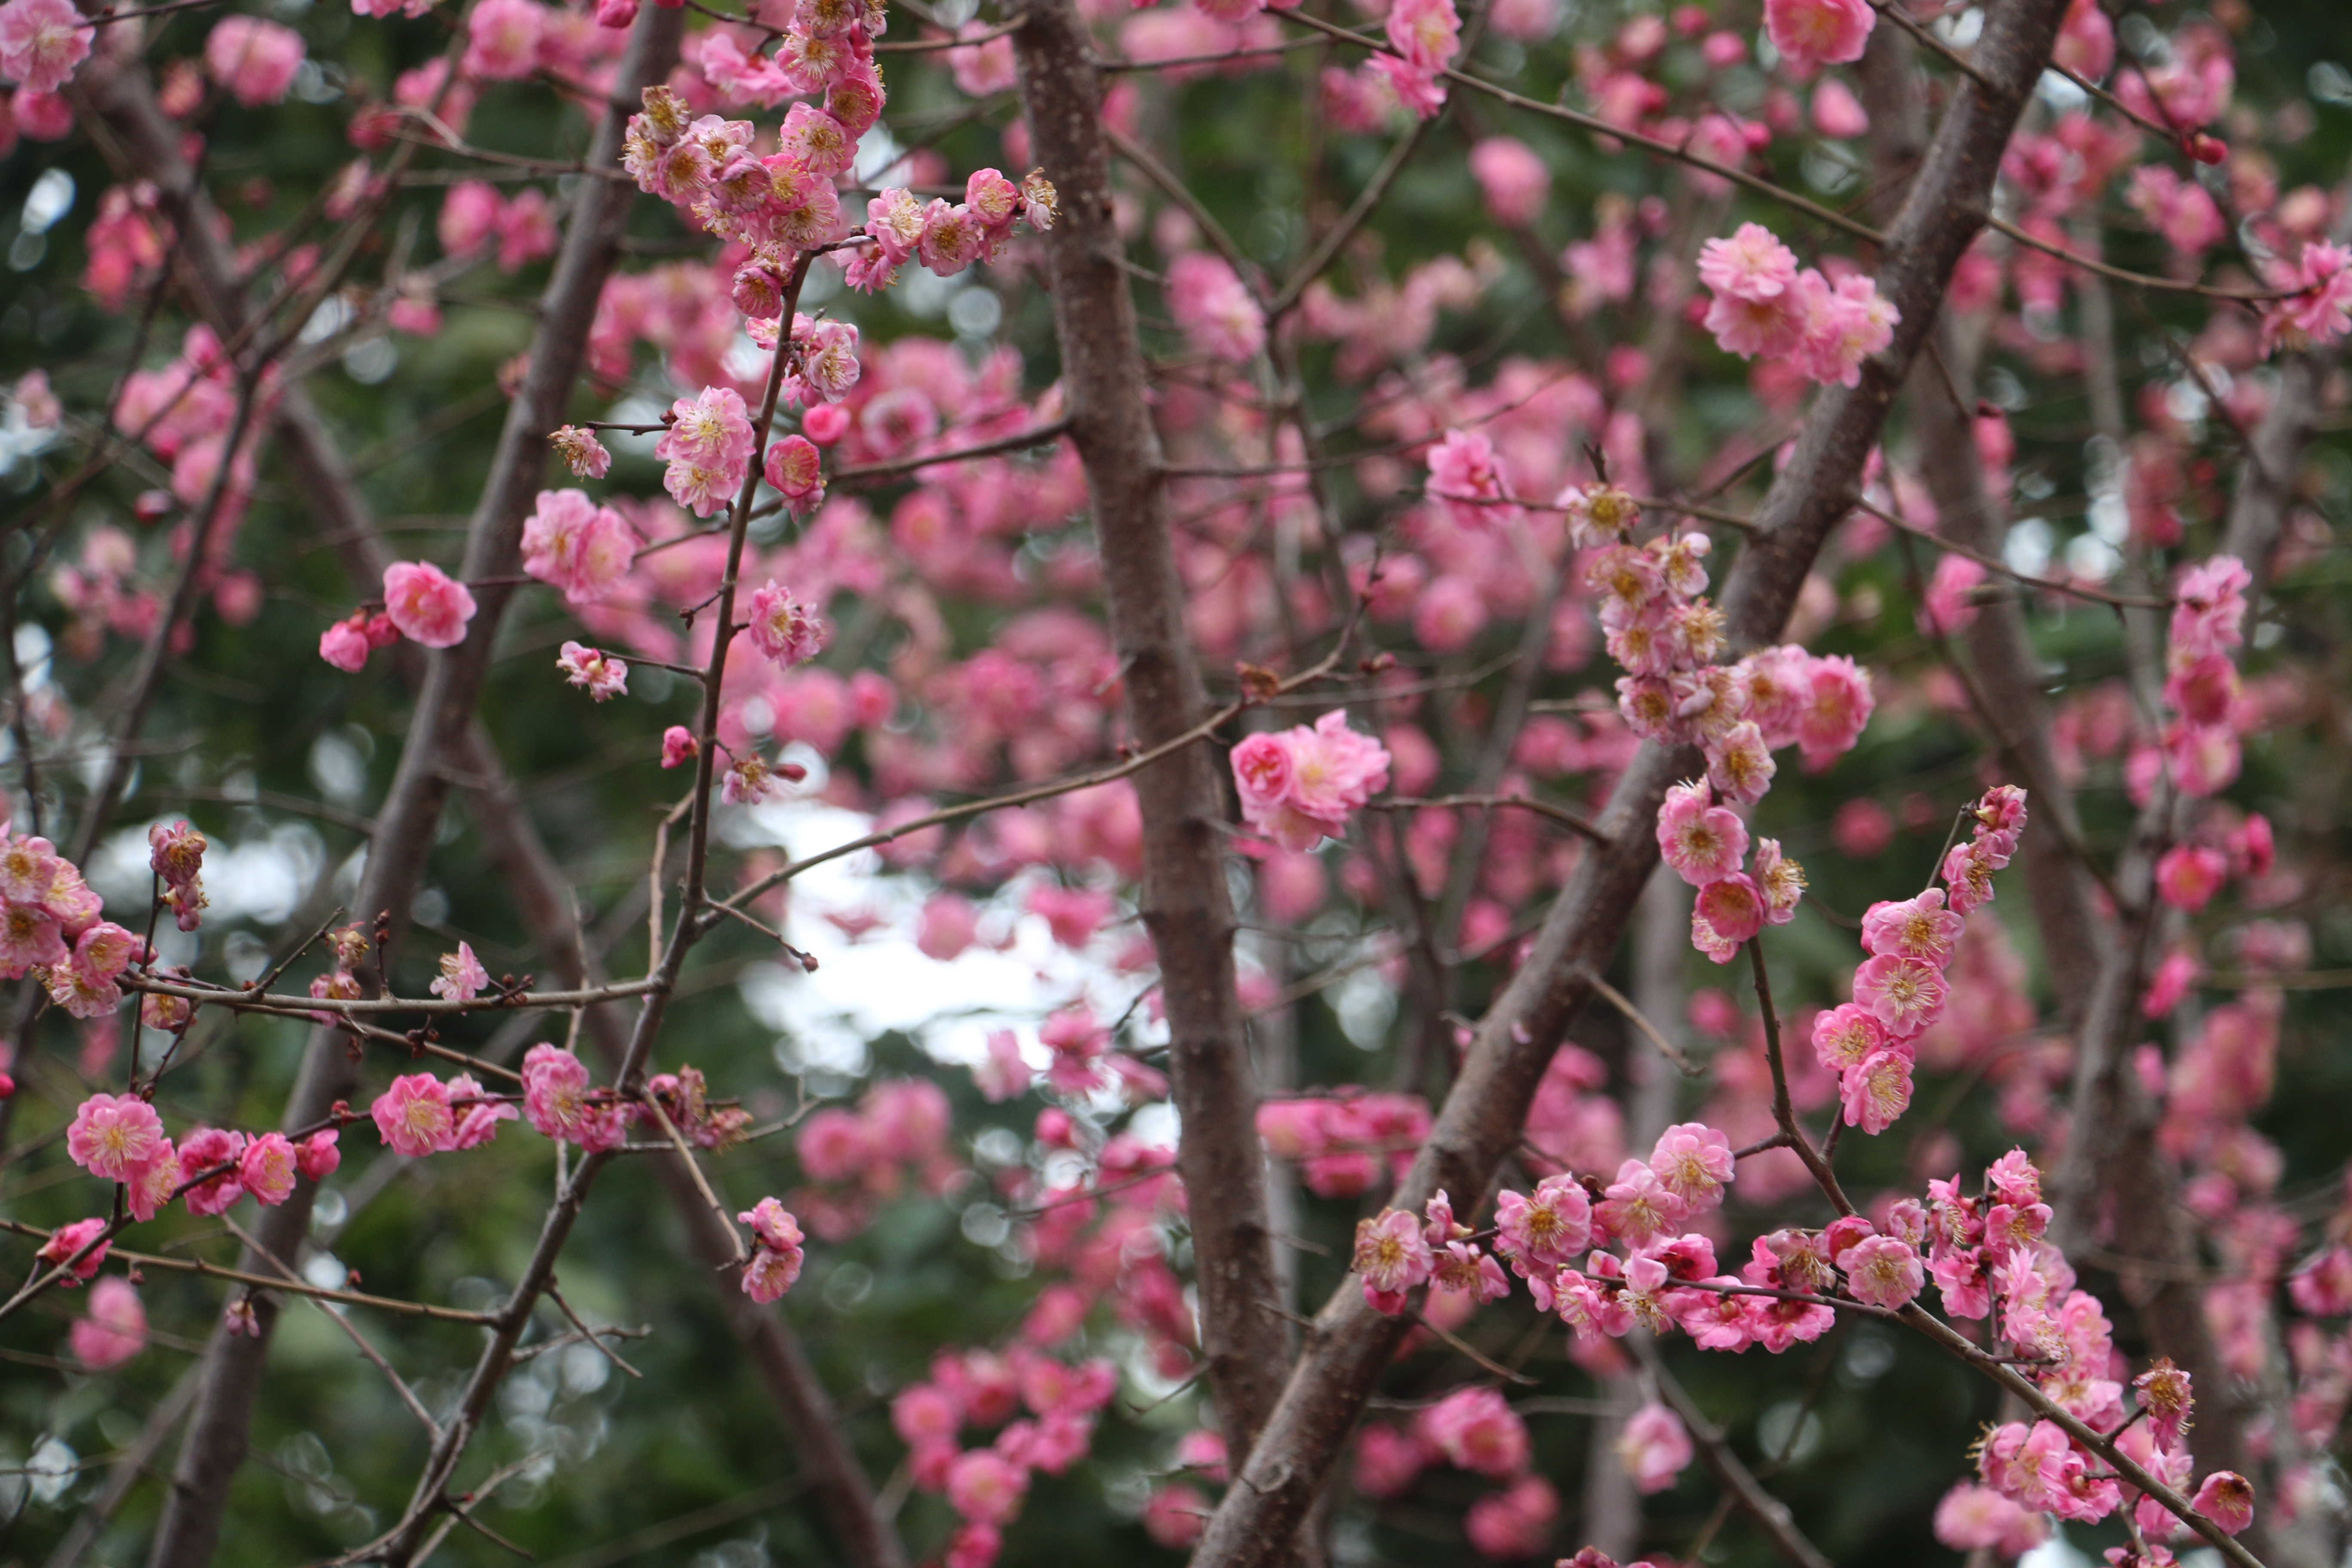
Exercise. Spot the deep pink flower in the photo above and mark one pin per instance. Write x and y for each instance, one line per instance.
(266, 1168)
(1300, 785)
(319, 1156)
(986, 1487)
(67, 1242)
(1638, 1207)
(1693, 1161)
(1876, 1090)
(1882, 1272)
(1904, 994)
(1702, 842)
(1920, 928)
(2227, 1498)
(2189, 875)
(211, 1149)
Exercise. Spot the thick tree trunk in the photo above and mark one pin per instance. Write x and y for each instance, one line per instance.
(1187, 907)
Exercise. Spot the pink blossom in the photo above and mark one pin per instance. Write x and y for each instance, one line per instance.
(1300, 785)
(1903, 993)
(1175, 1516)
(1465, 475)
(319, 1157)
(1811, 33)
(1515, 1522)
(556, 1101)
(1426, 33)
(585, 454)
(217, 1150)
(478, 1115)
(1947, 608)
(1702, 842)
(1882, 1272)
(1876, 1090)
(253, 59)
(2165, 1392)
(953, 238)
(1512, 178)
(1845, 1035)
(1693, 1161)
(594, 670)
(1547, 1229)
(1638, 1207)
(776, 1263)
(112, 1135)
(985, 1487)
(1392, 1256)
(2189, 875)
(425, 604)
(1477, 1429)
(570, 542)
(783, 628)
(502, 39)
(1727, 912)
(678, 746)
(1752, 265)
(2318, 314)
(2227, 1498)
(462, 975)
(413, 1116)
(41, 42)
(1655, 1447)
(1779, 880)
(66, 1243)
(1209, 300)
(345, 645)
(1388, 1460)
(1920, 928)
(115, 1329)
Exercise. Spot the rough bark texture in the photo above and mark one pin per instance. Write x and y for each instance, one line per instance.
(1480, 1121)
(1186, 905)
(219, 1427)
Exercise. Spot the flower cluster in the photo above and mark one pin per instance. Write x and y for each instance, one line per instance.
(1900, 990)
(570, 542)
(708, 447)
(1706, 845)
(1298, 786)
(118, 1138)
(176, 854)
(2201, 685)
(2318, 309)
(1763, 305)
(775, 1261)
(986, 1484)
(50, 929)
(41, 42)
(1344, 1146)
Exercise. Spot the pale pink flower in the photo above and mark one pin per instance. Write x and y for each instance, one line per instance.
(1467, 478)
(462, 975)
(570, 542)
(1739, 765)
(1882, 1272)
(1427, 33)
(1477, 1429)
(1512, 177)
(153, 1184)
(256, 59)
(413, 1116)
(41, 41)
(1392, 1256)
(1779, 881)
(583, 453)
(1693, 1161)
(1210, 302)
(556, 1101)
(1809, 33)
(112, 1135)
(116, 1327)
(1845, 1036)
(266, 1168)
(1843, 325)
(594, 670)
(1549, 1228)
(2166, 1393)
(1002, 1074)
(1752, 265)
(783, 628)
(1920, 928)
(425, 604)
(478, 1115)
(1837, 704)
(1638, 1208)
(1948, 607)
(1655, 1447)
(953, 238)
(502, 39)
(1903, 993)
(1876, 1090)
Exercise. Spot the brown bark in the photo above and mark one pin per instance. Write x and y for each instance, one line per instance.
(1480, 1121)
(218, 1430)
(1186, 905)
